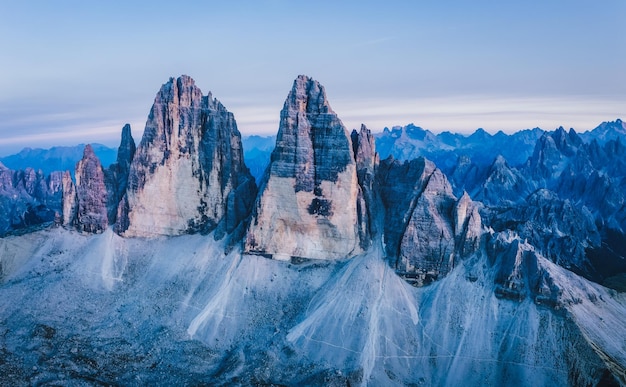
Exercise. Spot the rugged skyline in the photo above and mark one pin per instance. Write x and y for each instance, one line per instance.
(76, 72)
(347, 270)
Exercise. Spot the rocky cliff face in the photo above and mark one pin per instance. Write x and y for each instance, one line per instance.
(91, 194)
(307, 206)
(369, 208)
(427, 231)
(70, 202)
(188, 173)
(28, 198)
(518, 272)
(427, 245)
(559, 229)
(401, 183)
(116, 176)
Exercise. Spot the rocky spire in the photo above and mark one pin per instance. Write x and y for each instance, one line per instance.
(368, 207)
(364, 146)
(70, 202)
(91, 194)
(426, 229)
(427, 246)
(307, 206)
(188, 173)
(401, 183)
(116, 176)
(125, 154)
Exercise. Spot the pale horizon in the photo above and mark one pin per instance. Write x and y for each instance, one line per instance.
(77, 73)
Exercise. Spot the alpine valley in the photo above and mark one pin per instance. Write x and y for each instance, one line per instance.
(319, 256)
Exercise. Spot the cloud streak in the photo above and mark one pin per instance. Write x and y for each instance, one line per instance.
(464, 113)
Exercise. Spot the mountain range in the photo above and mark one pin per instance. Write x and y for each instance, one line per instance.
(318, 257)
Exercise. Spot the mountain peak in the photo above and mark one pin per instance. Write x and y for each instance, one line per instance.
(307, 96)
(188, 168)
(91, 194)
(606, 131)
(88, 152)
(308, 205)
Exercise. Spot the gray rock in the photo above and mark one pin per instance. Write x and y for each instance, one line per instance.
(28, 199)
(558, 229)
(503, 185)
(91, 194)
(70, 201)
(427, 231)
(368, 203)
(116, 176)
(468, 226)
(519, 274)
(427, 246)
(188, 173)
(307, 206)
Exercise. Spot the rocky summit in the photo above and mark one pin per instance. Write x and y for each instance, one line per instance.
(116, 176)
(188, 173)
(427, 231)
(84, 204)
(307, 205)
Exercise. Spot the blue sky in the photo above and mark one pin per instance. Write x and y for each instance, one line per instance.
(76, 71)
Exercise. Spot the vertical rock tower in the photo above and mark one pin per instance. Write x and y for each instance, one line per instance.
(84, 204)
(116, 176)
(188, 173)
(307, 206)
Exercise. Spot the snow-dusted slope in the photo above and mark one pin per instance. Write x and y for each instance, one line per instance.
(101, 309)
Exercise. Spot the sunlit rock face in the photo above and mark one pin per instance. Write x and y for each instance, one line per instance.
(307, 206)
(188, 173)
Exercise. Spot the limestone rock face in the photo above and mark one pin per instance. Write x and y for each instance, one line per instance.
(428, 242)
(426, 229)
(519, 272)
(70, 202)
(116, 176)
(188, 173)
(468, 225)
(401, 184)
(365, 154)
(368, 206)
(503, 184)
(91, 194)
(307, 206)
(28, 198)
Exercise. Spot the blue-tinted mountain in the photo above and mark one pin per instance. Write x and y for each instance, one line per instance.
(501, 261)
(606, 131)
(256, 152)
(568, 200)
(410, 142)
(58, 158)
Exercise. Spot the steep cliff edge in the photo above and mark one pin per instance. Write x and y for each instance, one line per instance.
(307, 206)
(188, 173)
(84, 203)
